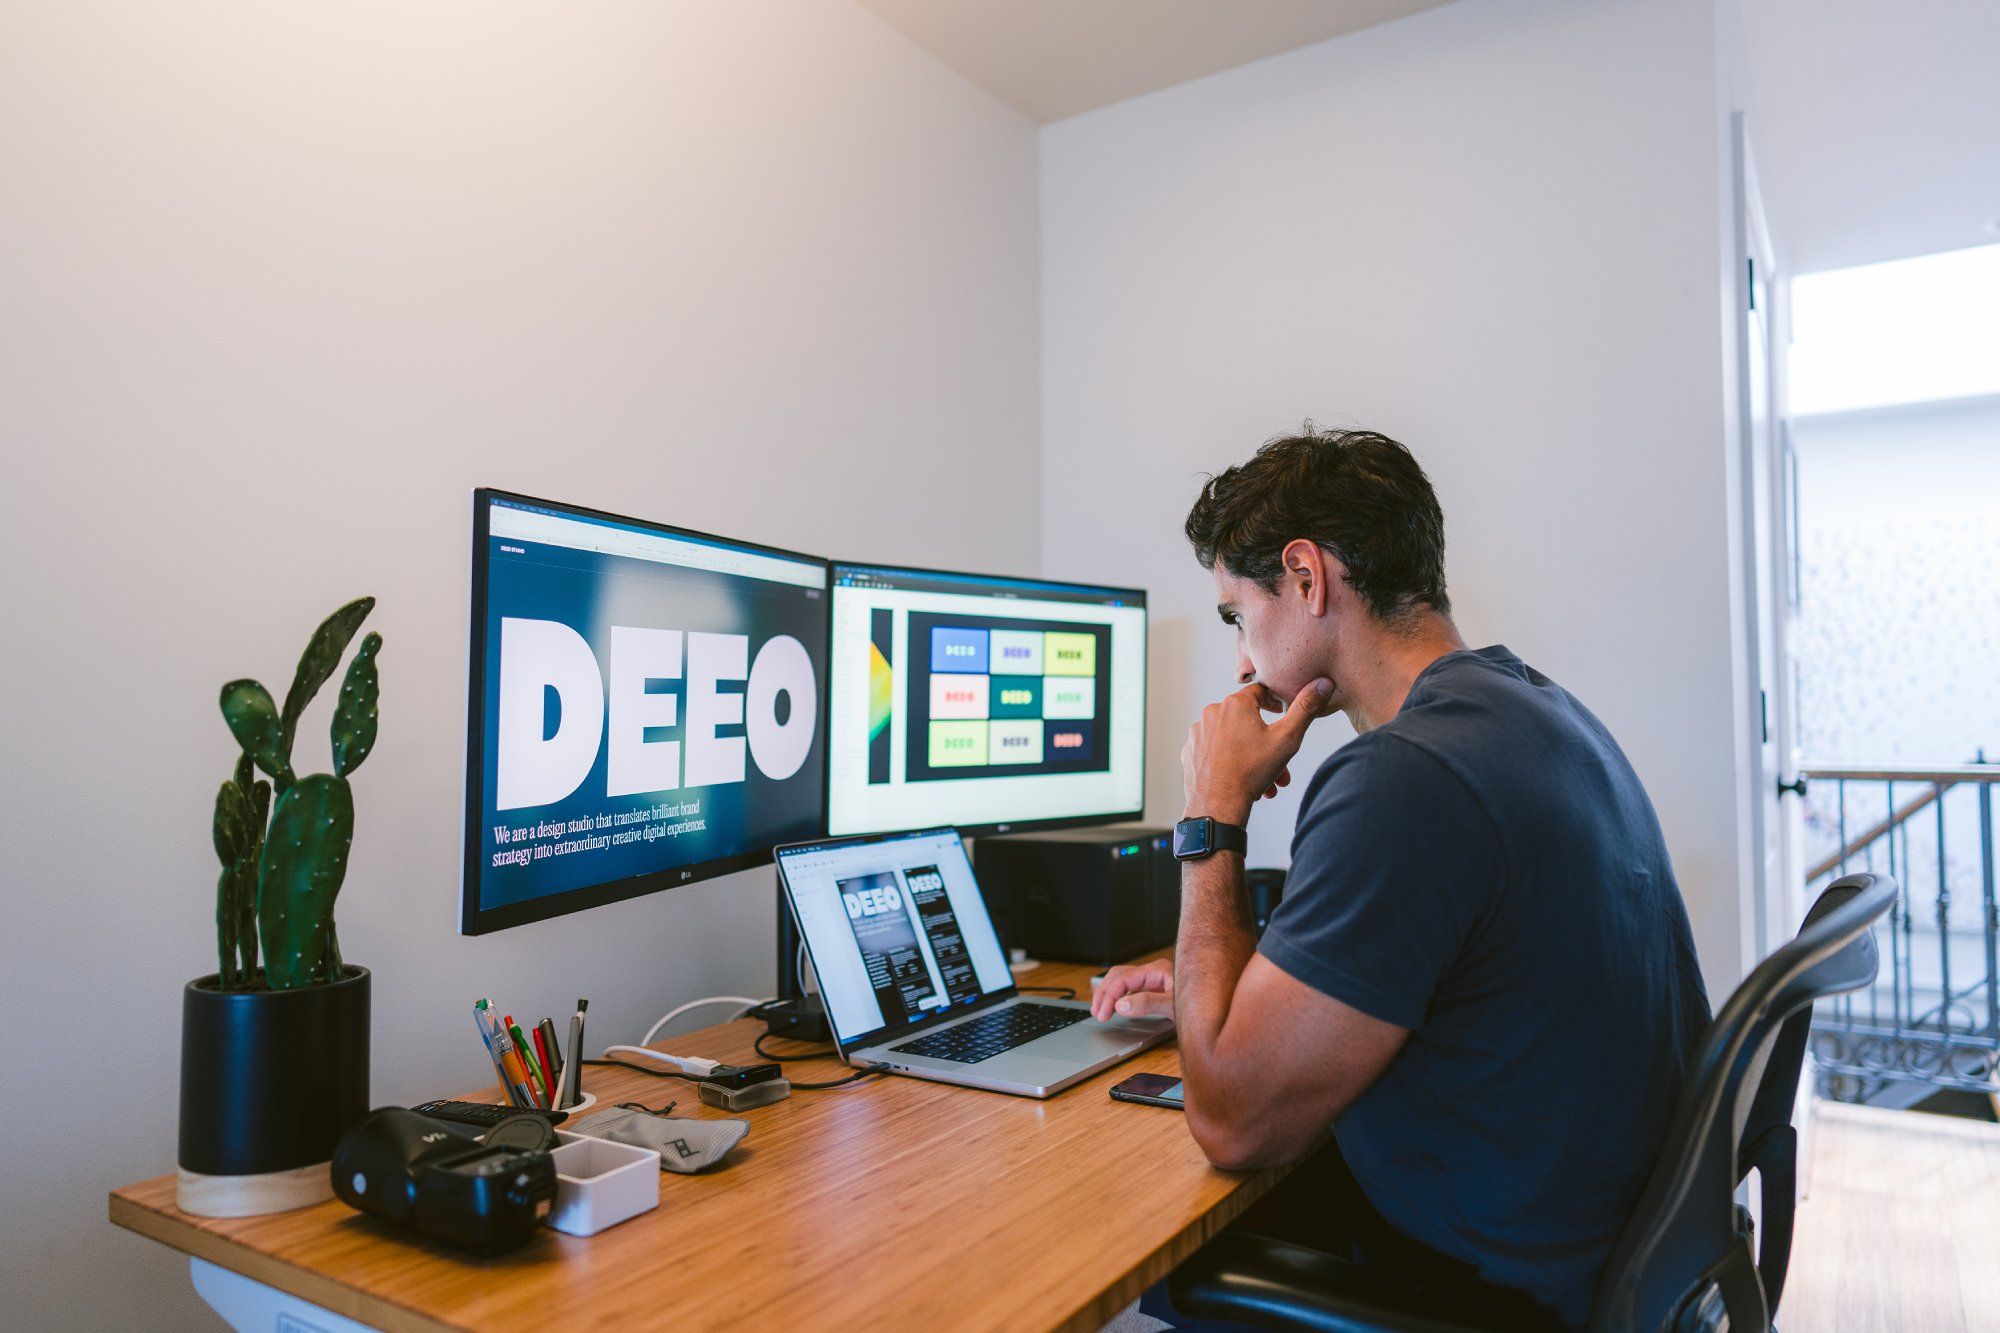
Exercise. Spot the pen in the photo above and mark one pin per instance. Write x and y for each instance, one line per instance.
(535, 1083)
(486, 1040)
(497, 1046)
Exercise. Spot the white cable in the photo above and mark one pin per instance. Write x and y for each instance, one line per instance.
(676, 1012)
(687, 1064)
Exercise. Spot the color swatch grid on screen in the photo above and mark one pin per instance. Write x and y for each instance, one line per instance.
(999, 698)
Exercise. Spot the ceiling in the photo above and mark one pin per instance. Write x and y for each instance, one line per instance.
(1055, 58)
(1876, 123)
(1875, 126)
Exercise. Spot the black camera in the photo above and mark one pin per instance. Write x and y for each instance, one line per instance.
(413, 1169)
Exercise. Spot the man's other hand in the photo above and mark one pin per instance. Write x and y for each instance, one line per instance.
(1135, 990)
(1232, 757)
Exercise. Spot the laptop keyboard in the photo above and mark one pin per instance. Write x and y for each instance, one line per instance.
(989, 1035)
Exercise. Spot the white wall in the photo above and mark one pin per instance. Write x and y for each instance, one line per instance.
(280, 285)
(1899, 542)
(1899, 539)
(1494, 230)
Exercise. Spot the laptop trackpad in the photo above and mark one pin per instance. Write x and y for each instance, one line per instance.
(1088, 1042)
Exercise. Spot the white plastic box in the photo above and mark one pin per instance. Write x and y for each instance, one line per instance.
(600, 1183)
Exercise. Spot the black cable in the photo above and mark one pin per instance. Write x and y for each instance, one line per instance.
(757, 1045)
(855, 1077)
(647, 1069)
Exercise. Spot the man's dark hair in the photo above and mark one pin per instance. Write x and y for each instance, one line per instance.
(1355, 493)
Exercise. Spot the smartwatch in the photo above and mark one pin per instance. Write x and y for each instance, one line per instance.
(1203, 836)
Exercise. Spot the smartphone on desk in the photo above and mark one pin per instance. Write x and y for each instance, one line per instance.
(1150, 1090)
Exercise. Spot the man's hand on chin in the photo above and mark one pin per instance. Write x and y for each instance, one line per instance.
(1233, 757)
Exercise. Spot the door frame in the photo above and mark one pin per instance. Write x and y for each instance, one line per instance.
(1765, 484)
(1774, 907)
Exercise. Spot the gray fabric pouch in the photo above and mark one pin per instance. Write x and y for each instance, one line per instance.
(684, 1145)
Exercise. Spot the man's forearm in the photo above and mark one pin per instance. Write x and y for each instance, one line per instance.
(1230, 762)
(1216, 940)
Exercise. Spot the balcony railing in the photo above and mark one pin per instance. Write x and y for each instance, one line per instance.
(1932, 1020)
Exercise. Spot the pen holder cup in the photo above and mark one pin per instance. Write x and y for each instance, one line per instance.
(583, 1102)
(600, 1183)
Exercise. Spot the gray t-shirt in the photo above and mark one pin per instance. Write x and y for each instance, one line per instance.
(1486, 870)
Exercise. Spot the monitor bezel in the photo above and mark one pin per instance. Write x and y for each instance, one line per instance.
(890, 1031)
(997, 827)
(475, 920)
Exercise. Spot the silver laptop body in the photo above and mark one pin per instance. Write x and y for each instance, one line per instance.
(820, 874)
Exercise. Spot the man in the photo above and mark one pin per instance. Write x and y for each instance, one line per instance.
(1481, 974)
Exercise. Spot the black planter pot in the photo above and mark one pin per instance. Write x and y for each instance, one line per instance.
(270, 1080)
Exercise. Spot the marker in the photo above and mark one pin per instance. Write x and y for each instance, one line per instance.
(548, 1065)
(572, 1089)
(517, 1070)
(536, 1081)
(552, 1057)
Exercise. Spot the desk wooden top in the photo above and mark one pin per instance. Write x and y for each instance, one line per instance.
(890, 1203)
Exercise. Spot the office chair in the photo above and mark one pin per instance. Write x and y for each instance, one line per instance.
(1684, 1261)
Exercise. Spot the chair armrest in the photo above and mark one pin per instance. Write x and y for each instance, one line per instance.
(1274, 1284)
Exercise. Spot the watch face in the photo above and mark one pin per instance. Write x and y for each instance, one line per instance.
(1191, 838)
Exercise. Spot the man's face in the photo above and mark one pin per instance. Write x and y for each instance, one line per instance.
(1280, 643)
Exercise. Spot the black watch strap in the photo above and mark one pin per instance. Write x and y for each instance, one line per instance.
(1228, 837)
(1202, 836)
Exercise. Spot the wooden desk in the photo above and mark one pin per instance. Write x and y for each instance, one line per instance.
(892, 1203)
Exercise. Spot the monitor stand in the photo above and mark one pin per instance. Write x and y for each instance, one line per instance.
(797, 1013)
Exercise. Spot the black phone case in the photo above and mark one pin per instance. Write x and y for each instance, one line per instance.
(1120, 1093)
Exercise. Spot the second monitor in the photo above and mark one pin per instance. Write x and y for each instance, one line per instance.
(988, 703)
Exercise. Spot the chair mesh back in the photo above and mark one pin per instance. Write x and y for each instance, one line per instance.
(1683, 1238)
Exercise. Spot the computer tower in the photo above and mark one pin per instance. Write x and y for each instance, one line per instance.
(1093, 895)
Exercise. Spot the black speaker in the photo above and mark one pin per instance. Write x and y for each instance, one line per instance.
(1095, 895)
(1267, 886)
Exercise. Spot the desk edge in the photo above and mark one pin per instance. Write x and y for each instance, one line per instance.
(329, 1294)
(1093, 1314)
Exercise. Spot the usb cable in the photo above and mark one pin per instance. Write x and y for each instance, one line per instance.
(692, 1065)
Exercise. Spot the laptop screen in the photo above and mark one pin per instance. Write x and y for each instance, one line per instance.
(896, 927)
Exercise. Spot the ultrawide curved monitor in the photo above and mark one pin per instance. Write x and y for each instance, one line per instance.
(646, 708)
(993, 704)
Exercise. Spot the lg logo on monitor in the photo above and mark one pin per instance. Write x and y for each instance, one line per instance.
(538, 656)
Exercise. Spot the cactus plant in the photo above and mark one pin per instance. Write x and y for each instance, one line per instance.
(283, 863)
(305, 858)
(354, 715)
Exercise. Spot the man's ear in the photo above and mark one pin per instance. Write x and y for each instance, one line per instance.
(1311, 572)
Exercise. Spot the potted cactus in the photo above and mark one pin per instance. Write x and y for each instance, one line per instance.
(274, 1044)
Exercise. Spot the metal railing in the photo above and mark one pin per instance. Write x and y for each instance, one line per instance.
(1932, 1020)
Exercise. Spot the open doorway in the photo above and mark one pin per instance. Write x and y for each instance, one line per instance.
(1895, 440)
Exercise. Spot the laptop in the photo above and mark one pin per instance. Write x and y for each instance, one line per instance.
(915, 980)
